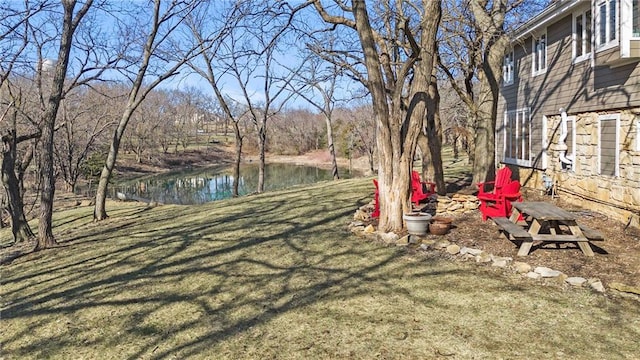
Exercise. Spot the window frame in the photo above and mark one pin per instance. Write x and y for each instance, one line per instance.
(508, 68)
(597, 15)
(586, 36)
(537, 54)
(525, 147)
(616, 118)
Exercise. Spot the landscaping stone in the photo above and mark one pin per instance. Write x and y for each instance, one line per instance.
(546, 272)
(576, 280)
(392, 238)
(483, 257)
(625, 288)
(404, 241)
(424, 247)
(428, 242)
(361, 215)
(472, 251)
(521, 267)
(597, 286)
(533, 275)
(501, 262)
(453, 249)
(369, 229)
(441, 244)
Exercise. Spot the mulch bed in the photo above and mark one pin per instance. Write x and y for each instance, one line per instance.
(616, 260)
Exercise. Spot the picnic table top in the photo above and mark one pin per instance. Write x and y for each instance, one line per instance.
(544, 211)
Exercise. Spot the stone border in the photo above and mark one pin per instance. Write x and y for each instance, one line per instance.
(360, 229)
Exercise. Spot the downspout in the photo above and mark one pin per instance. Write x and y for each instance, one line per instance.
(562, 146)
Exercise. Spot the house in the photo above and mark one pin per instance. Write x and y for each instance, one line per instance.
(569, 105)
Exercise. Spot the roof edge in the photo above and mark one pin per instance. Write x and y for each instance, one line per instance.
(553, 11)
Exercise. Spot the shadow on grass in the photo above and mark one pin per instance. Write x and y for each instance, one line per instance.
(184, 282)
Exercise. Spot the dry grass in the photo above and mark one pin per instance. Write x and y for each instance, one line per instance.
(278, 276)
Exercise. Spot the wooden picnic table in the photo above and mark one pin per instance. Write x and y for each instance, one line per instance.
(545, 222)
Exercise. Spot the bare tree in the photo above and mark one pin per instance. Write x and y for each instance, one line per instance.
(472, 48)
(86, 116)
(70, 22)
(218, 37)
(12, 179)
(318, 87)
(390, 60)
(160, 57)
(264, 31)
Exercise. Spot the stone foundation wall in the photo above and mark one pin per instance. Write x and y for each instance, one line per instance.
(615, 196)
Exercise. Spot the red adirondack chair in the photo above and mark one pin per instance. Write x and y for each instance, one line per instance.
(503, 177)
(497, 202)
(499, 205)
(376, 201)
(420, 190)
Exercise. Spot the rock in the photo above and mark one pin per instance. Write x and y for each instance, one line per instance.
(453, 249)
(521, 267)
(356, 224)
(597, 286)
(361, 215)
(404, 241)
(455, 207)
(546, 272)
(369, 229)
(441, 244)
(533, 275)
(428, 242)
(424, 247)
(625, 288)
(391, 238)
(501, 262)
(575, 280)
(471, 251)
(483, 257)
(471, 206)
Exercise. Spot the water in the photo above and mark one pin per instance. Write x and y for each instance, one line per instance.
(205, 185)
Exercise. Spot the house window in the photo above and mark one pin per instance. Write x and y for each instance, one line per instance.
(507, 69)
(517, 140)
(606, 23)
(582, 35)
(539, 53)
(608, 145)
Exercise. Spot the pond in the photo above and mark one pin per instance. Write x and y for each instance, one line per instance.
(205, 185)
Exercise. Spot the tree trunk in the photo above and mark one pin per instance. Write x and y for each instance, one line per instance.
(19, 226)
(397, 131)
(69, 25)
(236, 165)
(492, 24)
(434, 134)
(332, 149)
(262, 147)
(100, 209)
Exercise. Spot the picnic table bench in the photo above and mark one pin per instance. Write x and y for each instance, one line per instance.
(545, 222)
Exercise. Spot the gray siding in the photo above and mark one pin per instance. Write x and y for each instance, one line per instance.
(577, 87)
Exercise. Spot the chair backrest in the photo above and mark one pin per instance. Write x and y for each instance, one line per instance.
(503, 177)
(511, 188)
(415, 176)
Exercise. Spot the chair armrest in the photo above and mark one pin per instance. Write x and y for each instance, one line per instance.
(481, 186)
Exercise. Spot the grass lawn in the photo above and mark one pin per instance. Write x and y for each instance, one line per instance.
(279, 276)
